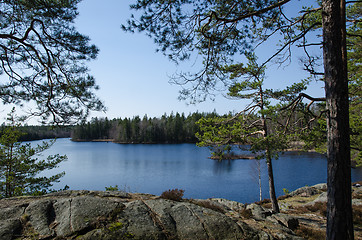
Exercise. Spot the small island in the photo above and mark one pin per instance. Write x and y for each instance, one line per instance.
(232, 157)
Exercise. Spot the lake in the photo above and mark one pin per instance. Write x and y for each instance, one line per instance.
(154, 168)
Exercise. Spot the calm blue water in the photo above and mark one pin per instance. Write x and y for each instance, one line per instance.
(156, 168)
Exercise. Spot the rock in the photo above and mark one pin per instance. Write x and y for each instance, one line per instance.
(231, 205)
(321, 198)
(307, 191)
(264, 236)
(357, 202)
(41, 214)
(258, 212)
(110, 194)
(9, 229)
(97, 215)
(284, 206)
(138, 220)
(213, 205)
(89, 215)
(357, 192)
(284, 226)
(104, 194)
(10, 224)
(81, 213)
(321, 186)
(12, 212)
(165, 219)
(286, 220)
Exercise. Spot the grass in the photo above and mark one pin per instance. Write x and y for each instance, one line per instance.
(319, 208)
(209, 205)
(246, 213)
(357, 216)
(297, 200)
(310, 233)
(283, 197)
(173, 194)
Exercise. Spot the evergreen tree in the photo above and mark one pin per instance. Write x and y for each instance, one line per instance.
(43, 60)
(20, 166)
(221, 31)
(354, 54)
(167, 129)
(256, 125)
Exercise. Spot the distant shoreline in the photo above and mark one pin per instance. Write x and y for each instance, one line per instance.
(233, 157)
(113, 141)
(296, 149)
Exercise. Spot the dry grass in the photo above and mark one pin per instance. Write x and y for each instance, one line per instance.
(280, 198)
(173, 194)
(264, 201)
(210, 205)
(319, 208)
(246, 213)
(357, 216)
(313, 216)
(310, 233)
(298, 200)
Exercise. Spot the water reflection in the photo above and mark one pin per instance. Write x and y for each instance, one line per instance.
(222, 167)
(156, 168)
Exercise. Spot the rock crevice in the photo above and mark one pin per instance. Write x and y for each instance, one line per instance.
(102, 215)
(117, 215)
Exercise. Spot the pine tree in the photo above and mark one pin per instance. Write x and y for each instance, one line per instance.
(222, 31)
(20, 166)
(43, 60)
(262, 125)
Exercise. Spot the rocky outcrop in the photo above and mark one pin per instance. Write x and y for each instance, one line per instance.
(114, 215)
(118, 215)
(308, 191)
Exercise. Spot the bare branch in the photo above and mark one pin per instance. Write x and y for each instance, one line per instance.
(354, 35)
(349, 2)
(255, 13)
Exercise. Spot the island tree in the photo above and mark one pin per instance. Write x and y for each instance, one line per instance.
(263, 128)
(219, 31)
(42, 60)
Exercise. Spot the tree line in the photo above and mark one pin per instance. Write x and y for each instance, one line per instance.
(173, 128)
(43, 60)
(31, 133)
(221, 31)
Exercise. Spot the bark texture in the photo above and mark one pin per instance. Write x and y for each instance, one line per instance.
(273, 198)
(339, 207)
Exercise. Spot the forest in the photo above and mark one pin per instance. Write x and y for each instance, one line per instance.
(44, 63)
(31, 132)
(173, 128)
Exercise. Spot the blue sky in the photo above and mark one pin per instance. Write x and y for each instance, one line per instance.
(134, 79)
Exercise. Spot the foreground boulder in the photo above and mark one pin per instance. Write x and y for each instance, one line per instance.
(118, 215)
(114, 215)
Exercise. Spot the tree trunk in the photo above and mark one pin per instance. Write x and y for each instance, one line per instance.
(273, 197)
(259, 180)
(339, 207)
